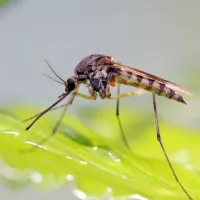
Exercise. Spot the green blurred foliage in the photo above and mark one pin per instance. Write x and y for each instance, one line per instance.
(99, 161)
(3, 2)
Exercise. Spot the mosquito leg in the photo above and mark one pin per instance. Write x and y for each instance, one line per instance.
(39, 115)
(138, 92)
(119, 96)
(119, 121)
(70, 100)
(54, 108)
(93, 97)
(162, 146)
(85, 96)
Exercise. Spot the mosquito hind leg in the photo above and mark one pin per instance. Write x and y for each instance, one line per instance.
(163, 149)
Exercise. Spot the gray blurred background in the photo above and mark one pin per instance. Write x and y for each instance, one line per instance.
(160, 37)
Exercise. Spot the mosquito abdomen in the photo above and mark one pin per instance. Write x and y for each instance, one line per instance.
(129, 78)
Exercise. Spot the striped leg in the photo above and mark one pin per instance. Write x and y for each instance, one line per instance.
(163, 149)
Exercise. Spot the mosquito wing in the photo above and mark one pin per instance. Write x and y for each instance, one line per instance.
(169, 84)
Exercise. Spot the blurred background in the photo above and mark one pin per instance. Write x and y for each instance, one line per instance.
(159, 37)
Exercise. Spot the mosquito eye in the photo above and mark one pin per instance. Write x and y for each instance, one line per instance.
(70, 85)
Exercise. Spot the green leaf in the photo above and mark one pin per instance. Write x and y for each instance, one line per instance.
(97, 162)
(4, 2)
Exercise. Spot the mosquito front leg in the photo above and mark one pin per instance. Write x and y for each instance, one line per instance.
(85, 96)
(70, 100)
(92, 94)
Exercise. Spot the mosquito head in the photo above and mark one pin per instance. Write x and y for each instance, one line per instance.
(71, 84)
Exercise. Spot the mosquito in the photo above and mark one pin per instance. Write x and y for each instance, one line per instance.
(100, 72)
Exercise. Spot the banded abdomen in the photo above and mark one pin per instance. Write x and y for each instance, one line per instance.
(152, 85)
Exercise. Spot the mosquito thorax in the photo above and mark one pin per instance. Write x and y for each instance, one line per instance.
(95, 71)
(81, 77)
(91, 62)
